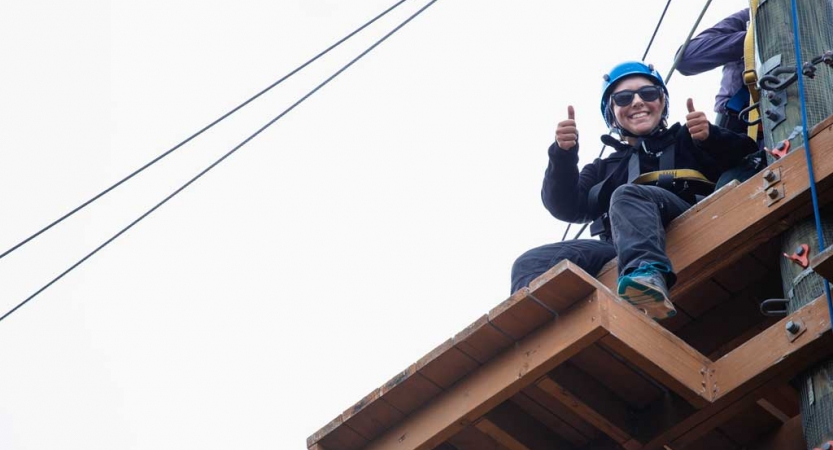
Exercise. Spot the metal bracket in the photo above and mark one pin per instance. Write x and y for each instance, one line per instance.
(770, 64)
(771, 176)
(774, 194)
(776, 112)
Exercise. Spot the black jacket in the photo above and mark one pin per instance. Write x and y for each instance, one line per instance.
(565, 190)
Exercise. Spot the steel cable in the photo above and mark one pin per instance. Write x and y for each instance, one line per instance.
(201, 131)
(221, 159)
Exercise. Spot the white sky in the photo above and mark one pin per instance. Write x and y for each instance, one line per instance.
(369, 225)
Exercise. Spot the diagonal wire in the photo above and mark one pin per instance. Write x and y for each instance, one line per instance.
(221, 159)
(687, 40)
(662, 16)
(204, 129)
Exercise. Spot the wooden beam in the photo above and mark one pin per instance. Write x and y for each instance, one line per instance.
(562, 412)
(822, 263)
(497, 380)
(470, 438)
(583, 410)
(539, 412)
(511, 420)
(773, 350)
(618, 375)
(788, 437)
(656, 351)
(505, 439)
(741, 219)
(758, 369)
(745, 427)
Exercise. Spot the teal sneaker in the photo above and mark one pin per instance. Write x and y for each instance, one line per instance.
(645, 289)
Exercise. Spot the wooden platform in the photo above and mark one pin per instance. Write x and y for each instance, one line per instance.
(565, 364)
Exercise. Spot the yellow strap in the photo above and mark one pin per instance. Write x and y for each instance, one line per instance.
(687, 174)
(750, 77)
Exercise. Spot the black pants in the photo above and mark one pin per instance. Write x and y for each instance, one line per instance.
(638, 216)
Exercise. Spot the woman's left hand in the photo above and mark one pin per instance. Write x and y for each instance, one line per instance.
(697, 123)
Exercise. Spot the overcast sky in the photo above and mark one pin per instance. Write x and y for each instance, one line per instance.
(366, 227)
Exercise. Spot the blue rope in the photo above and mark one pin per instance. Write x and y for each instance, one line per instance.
(807, 153)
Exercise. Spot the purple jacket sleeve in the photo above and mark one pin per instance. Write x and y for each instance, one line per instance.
(716, 46)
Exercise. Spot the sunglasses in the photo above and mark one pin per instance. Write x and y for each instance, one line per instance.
(646, 93)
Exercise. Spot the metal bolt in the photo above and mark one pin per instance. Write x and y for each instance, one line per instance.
(793, 327)
(769, 175)
(772, 193)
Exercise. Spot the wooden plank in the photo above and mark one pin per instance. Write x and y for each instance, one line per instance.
(749, 425)
(740, 220)
(470, 438)
(714, 440)
(741, 273)
(699, 206)
(481, 340)
(527, 431)
(519, 315)
(656, 351)
(343, 438)
(783, 401)
(445, 446)
(770, 351)
(371, 416)
(505, 439)
(562, 412)
(445, 365)
(325, 430)
(550, 420)
(615, 373)
(661, 415)
(722, 324)
(707, 296)
(822, 263)
(562, 286)
(788, 437)
(497, 380)
(750, 333)
(583, 410)
(409, 390)
(821, 127)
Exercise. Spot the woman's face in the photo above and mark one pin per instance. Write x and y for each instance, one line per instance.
(639, 117)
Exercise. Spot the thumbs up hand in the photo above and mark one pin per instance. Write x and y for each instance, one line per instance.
(566, 133)
(697, 123)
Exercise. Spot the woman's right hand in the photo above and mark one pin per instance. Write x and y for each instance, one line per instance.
(566, 134)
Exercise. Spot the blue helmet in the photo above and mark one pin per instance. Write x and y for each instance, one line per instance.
(622, 71)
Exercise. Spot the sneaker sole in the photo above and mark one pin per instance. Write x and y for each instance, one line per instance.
(649, 300)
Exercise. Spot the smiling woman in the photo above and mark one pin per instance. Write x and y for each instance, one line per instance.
(638, 106)
(630, 218)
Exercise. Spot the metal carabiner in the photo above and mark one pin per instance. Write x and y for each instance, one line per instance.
(771, 82)
(743, 115)
(774, 307)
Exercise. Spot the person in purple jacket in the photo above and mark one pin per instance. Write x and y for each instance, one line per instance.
(723, 45)
(629, 215)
